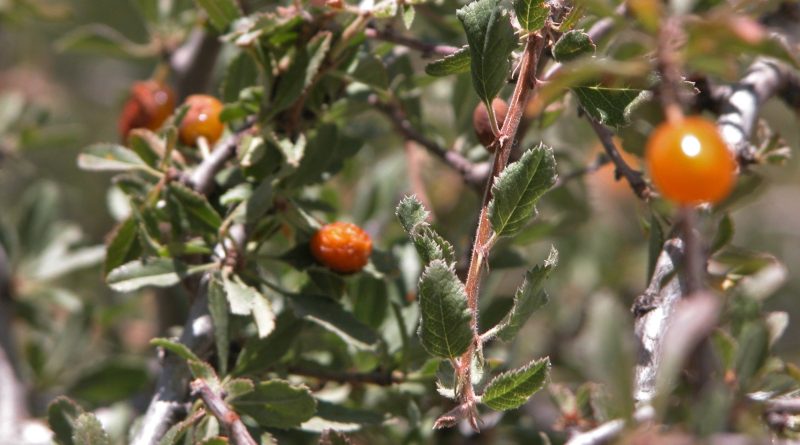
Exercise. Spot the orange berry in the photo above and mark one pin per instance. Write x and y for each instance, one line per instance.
(149, 105)
(481, 124)
(202, 119)
(689, 162)
(342, 247)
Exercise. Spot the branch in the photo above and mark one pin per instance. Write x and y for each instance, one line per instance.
(473, 174)
(237, 431)
(381, 378)
(427, 49)
(193, 62)
(634, 177)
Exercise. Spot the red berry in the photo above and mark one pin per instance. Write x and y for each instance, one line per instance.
(482, 125)
(149, 105)
(689, 162)
(342, 247)
(202, 119)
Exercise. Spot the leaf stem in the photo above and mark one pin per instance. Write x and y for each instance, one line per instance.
(227, 417)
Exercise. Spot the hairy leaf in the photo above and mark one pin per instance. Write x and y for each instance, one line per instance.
(512, 389)
(444, 327)
(89, 431)
(532, 14)
(491, 40)
(456, 63)
(518, 188)
(572, 45)
(62, 413)
(610, 106)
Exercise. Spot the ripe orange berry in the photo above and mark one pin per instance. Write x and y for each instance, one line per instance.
(481, 124)
(342, 247)
(202, 119)
(149, 105)
(689, 162)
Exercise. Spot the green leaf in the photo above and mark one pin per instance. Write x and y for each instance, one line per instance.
(491, 40)
(110, 157)
(147, 145)
(333, 317)
(444, 327)
(220, 12)
(110, 381)
(277, 404)
(532, 14)
(752, 352)
(218, 308)
(331, 417)
(235, 388)
(610, 106)
(519, 187)
(62, 413)
(429, 244)
(259, 354)
(104, 40)
(89, 431)
(528, 299)
(176, 348)
(512, 389)
(456, 63)
(246, 300)
(204, 371)
(196, 206)
(241, 73)
(159, 272)
(573, 44)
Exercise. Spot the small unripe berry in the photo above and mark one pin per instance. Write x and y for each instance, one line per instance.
(689, 162)
(149, 105)
(202, 119)
(482, 125)
(342, 247)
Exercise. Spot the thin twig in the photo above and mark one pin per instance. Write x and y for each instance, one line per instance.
(634, 177)
(381, 378)
(474, 174)
(427, 49)
(228, 418)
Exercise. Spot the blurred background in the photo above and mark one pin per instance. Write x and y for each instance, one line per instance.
(75, 334)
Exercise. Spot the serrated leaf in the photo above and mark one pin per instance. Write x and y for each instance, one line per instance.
(176, 348)
(159, 272)
(234, 388)
(204, 371)
(218, 308)
(512, 389)
(429, 244)
(277, 404)
(196, 206)
(518, 188)
(573, 44)
(61, 416)
(456, 63)
(444, 327)
(220, 12)
(491, 40)
(528, 299)
(532, 14)
(333, 317)
(610, 106)
(109, 157)
(89, 431)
